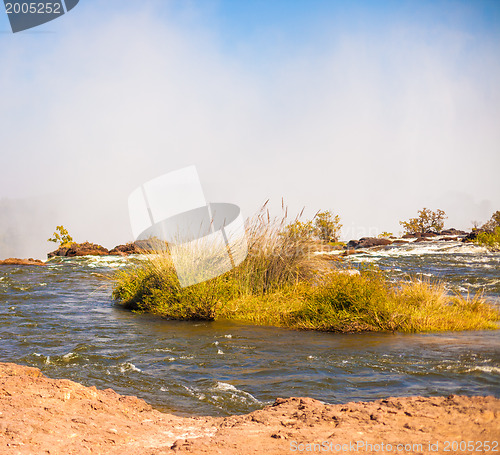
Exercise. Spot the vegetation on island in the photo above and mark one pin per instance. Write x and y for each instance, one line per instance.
(426, 221)
(325, 226)
(489, 233)
(61, 236)
(285, 281)
(490, 240)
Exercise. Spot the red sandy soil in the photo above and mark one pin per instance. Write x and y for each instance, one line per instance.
(39, 415)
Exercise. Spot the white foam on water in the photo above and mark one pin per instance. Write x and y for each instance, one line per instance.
(69, 356)
(365, 258)
(127, 366)
(101, 261)
(433, 248)
(107, 261)
(225, 386)
(228, 336)
(45, 359)
(236, 393)
(485, 369)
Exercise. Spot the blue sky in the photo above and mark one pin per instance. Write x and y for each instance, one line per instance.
(370, 109)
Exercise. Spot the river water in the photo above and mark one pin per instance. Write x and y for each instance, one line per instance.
(61, 318)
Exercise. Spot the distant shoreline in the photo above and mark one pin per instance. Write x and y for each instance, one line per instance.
(145, 247)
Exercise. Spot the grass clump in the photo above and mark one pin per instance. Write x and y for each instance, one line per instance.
(284, 282)
(369, 302)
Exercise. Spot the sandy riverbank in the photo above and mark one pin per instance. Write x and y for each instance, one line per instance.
(39, 415)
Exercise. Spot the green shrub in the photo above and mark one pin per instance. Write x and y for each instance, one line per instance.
(490, 240)
(327, 226)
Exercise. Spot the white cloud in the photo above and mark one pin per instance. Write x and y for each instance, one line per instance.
(374, 127)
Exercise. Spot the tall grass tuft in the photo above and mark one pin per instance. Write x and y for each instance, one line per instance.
(276, 261)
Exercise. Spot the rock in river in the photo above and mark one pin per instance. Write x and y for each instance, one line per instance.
(368, 242)
(79, 249)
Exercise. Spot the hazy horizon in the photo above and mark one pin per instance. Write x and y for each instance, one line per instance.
(372, 111)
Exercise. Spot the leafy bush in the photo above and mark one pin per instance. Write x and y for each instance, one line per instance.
(327, 226)
(490, 240)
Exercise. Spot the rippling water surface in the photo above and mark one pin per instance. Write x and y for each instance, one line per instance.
(61, 318)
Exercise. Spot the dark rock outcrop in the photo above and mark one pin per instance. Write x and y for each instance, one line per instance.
(17, 261)
(124, 250)
(79, 249)
(411, 236)
(471, 236)
(420, 234)
(140, 247)
(452, 231)
(92, 249)
(368, 242)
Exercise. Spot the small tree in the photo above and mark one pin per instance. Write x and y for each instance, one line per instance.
(426, 221)
(327, 226)
(61, 236)
(385, 235)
